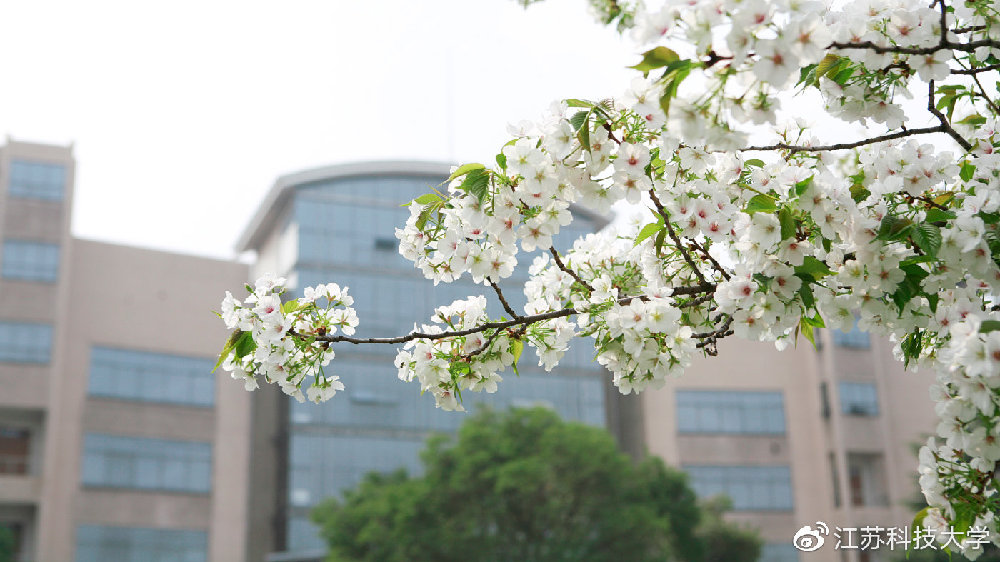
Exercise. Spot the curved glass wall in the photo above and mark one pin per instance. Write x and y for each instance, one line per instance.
(346, 235)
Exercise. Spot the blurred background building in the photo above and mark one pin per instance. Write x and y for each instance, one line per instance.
(117, 443)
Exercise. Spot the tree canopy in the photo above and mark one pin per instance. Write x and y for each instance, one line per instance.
(763, 223)
(525, 485)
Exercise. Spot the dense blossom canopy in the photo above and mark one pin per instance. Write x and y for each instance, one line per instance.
(760, 225)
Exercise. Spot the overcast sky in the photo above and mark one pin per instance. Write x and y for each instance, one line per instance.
(182, 114)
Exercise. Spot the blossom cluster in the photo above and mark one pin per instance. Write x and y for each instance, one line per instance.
(277, 339)
(765, 242)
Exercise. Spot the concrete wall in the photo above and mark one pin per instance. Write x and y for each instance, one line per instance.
(150, 301)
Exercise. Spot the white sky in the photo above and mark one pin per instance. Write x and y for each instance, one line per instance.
(182, 114)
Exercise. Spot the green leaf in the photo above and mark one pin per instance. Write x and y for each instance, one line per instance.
(807, 330)
(244, 345)
(787, 223)
(807, 76)
(578, 119)
(893, 228)
(674, 74)
(989, 218)
(911, 346)
(937, 215)
(464, 169)
(647, 231)
(843, 74)
(290, 306)
(989, 326)
(516, 348)
(803, 185)
(814, 321)
(827, 64)
(573, 102)
(975, 120)
(967, 171)
(427, 198)
(502, 161)
(477, 183)
(805, 291)
(228, 347)
(927, 237)
(760, 203)
(658, 241)
(757, 162)
(909, 287)
(813, 267)
(656, 58)
(859, 193)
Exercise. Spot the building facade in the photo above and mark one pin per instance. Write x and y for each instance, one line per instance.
(116, 440)
(798, 437)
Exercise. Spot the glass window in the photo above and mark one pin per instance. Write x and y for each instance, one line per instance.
(712, 411)
(866, 480)
(30, 261)
(15, 444)
(148, 464)
(134, 544)
(855, 338)
(23, 342)
(37, 180)
(153, 377)
(751, 488)
(858, 398)
(376, 399)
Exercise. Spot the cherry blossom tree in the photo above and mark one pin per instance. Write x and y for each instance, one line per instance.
(759, 225)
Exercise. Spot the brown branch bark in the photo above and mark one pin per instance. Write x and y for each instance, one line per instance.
(503, 301)
(675, 238)
(573, 274)
(522, 321)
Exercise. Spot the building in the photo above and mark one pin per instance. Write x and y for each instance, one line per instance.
(336, 224)
(800, 436)
(116, 441)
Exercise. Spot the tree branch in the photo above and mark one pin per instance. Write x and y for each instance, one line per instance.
(946, 44)
(848, 145)
(675, 238)
(522, 321)
(718, 267)
(572, 273)
(503, 301)
(944, 120)
(974, 71)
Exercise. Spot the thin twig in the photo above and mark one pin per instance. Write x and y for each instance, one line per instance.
(696, 301)
(982, 91)
(974, 71)
(675, 238)
(573, 274)
(503, 301)
(485, 346)
(718, 267)
(710, 343)
(944, 120)
(969, 29)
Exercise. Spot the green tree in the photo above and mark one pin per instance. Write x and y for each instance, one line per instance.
(525, 485)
